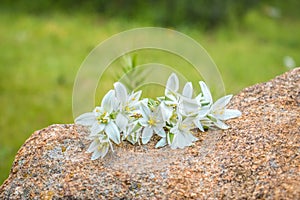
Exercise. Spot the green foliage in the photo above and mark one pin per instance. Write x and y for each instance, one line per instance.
(206, 14)
(203, 13)
(130, 76)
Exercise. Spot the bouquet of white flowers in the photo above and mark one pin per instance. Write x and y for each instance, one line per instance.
(124, 116)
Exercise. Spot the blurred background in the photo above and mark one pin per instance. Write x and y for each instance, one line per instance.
(43, 43)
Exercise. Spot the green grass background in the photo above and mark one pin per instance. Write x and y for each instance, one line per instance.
(40, 55)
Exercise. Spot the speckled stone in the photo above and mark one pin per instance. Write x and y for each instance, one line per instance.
(257, 158)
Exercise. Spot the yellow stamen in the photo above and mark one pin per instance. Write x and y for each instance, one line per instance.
(183, 126)
(173, 117)
(173, 105)
(151, 122)
(127, 108)
(137, 115)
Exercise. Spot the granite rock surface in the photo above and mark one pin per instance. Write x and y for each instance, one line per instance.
(257, 158)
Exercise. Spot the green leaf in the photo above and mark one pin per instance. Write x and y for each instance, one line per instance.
(211, 118)
(170, 137)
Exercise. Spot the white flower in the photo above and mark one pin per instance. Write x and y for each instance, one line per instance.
(188, 90)
(182, 135)
(206, 98)
(188, 106)
(196, 108)
(127, 102)
(185, 103)
(152, 121)
(166, 111)
(172, 117)
(132, 132)
(100, 146)
(182, 103)
(100, 120)
(122, 121)
(127, 105)
(218, 112)
(171, 91)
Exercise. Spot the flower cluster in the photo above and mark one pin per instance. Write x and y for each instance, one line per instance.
(124, 116)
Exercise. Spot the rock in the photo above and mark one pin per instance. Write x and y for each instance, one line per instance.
(258, 158)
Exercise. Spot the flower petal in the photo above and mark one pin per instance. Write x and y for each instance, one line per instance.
(183, 139)
(166, 111)
(177, 141)
(198, 124)
(188, 107)
(107, 100)
(172, 84)
(188, 90)
(97, 128)
(162, 142)
(221, 103)
(229, 114)
(121, 92)
(86, 119)
(221, 124)
(187, 122)
(146, 135)
(111, 146)
(100, 152)
(93, 146)
(134, 97)
(113, 132)
(192, 138)
(96, 155)
(144, 121)
(145, 110)
(121, 121)
(160, 131)
(104, 150)
(206, 92)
